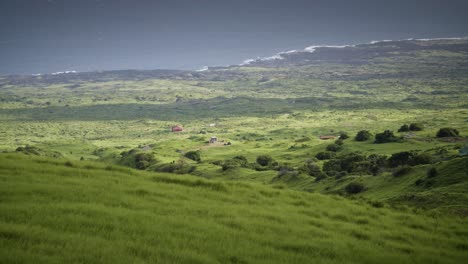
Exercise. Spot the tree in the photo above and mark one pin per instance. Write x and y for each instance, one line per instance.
(416, 127)
(242, 160)
(385, 137)
(339, 142)
(401, 158)
(447, 132)
(324, 155)
(264, 160)
(334, 147)
(354, 187)
(343, 135)
(363, 135)
(332, 165)
(404, 128)
(229, 164)
(193, 155)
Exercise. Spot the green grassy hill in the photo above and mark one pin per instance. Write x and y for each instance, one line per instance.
(57, 211)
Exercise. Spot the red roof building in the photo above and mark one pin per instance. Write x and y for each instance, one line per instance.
(176, 129)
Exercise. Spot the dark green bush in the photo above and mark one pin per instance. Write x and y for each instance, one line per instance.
(193, 155)
(230, 164)
(179, 167)
(385, 137)
(447, 132)
(325, 155)
(404, 128)
(401, 158)
(423, 158)
(339, 142)
(354, 187)
(343, 135)
(409, 158)
(264, 160)
(334, 147)
(400, 171)
(432, 172)
(416, 127)
(332, 165)
(320, 177)
(241, 159)
(363, 135)
(341, 174)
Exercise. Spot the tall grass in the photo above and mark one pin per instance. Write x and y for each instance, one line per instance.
(87, 212)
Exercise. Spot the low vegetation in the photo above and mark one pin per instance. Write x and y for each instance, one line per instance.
(148, 217)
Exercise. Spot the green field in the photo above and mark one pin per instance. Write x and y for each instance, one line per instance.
(54, 211)
(92, 173)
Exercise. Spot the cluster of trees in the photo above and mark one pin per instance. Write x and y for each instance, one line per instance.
(262, 162)
(179, 167)
(385, 137)
(193, 155)
(358, 163)
(447, 132)
(411, 127)
(137, 159)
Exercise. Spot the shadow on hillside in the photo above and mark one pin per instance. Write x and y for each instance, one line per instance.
(197, 109)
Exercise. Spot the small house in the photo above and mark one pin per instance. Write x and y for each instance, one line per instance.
(213, 139)
(327, 137)
(176, 129)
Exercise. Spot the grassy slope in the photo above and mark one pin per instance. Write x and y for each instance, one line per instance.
(87, 212)
(446, 192)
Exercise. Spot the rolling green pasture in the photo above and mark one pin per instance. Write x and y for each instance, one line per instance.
(68, 200)
(54, 211)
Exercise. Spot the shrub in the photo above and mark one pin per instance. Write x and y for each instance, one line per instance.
(325, 155)
(419, 182)
(363, 135)
(354, 187)
(343, 135)
(143, 160)
(447, 132)
(334, 147)
(404, 128)
(432, 172)
(264, 160)
(339, 142)
(400, 171)
(332, 165)
(401, 158)
(193, 155)
(320, 177)
(241, 159)
(409, 158)
(313, 170)
(353, 162)
(376, 204)
(230, 164)
(179, 167)
(423, 158)
(385, 137)
(341, 174)
(416, 127)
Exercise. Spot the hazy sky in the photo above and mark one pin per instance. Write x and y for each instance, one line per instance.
(43, 36)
